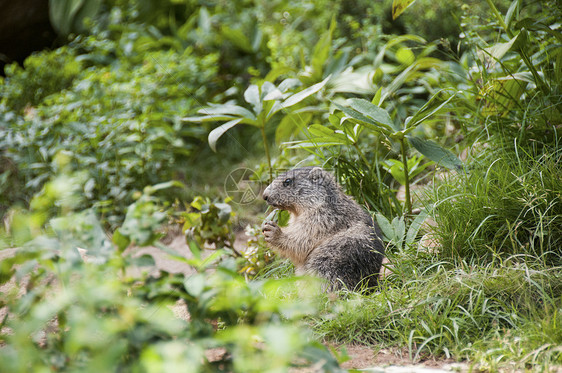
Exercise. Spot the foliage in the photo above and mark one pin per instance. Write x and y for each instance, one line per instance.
(210, 224)
(464, 312)
(84, 312)
(28, 86)
(508, 206)
(92, 133)
(119, 122)
(364, 115)
(69, 15)
(266, 101)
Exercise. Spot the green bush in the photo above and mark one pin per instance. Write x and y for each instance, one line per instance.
(43, 74)
(119, 122)
(90, 314)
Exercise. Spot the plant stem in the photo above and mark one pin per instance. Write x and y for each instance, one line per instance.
(407, 203)
(266, 147)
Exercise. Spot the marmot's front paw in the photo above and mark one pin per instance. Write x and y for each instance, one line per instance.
(271, 231)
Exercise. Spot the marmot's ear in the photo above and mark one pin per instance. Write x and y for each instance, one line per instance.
(316, 173)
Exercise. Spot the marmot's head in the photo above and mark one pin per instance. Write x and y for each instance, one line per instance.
(302, 188)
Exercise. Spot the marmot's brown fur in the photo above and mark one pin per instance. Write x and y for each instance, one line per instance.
(328, 234)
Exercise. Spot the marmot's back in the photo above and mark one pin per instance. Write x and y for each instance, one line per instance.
(328, 234)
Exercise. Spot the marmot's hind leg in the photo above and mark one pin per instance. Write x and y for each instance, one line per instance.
(346, 262)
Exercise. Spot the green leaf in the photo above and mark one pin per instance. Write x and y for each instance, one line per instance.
(415, 227)
(165, 185)
(120, 240)
(208, 118)
(377, 98)
(281, 217)
(215, 134)
(429, 109)
(291, 124)
(396, 169)
(435, 152)
(238, 38)
(374, 112)
(308, 144)
(405, 56)
(228, 109)
(325, 134)
(322, 50)
(386, 228)
(252, 96)
(502, 94)
(68, 15)
(298, 97)
(399, 6)
(493, 54)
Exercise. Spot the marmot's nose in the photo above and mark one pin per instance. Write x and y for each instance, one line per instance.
(265, 194)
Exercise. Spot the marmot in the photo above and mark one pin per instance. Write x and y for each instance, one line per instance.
(328, 233)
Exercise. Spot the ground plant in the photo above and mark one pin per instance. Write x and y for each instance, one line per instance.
(443, 119)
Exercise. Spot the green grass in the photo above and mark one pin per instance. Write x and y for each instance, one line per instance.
(471, 313)
(491, 294)
(510, 203)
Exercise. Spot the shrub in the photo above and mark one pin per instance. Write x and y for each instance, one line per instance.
(119, 122)
(43, 74)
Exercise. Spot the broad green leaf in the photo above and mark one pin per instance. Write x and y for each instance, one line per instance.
(374, 112)
(120, 240)
(145, 260)
(299, 96)
(238, 38)
(252, 96)
(363, 120)
(68, 15)
(325, 134)
(502, 94)
(493, 54)
(281, 217)
(322, 50)
(385, 226)
(290, 125)
(435, 152)
(415, 227)
(396, 169)
(228, 109)
(354, 114)
(405, 56)
(204, 21)
(165, 185)
(377, 98)
(430, 108)
(399, 6)
(275, 73)
(215, 134)
(268, 88)
(208, 118)
(510, 12)
(399, 231)
(408, 74)
(308, 144)
(533, 24)
(288, 84)
(274, 94)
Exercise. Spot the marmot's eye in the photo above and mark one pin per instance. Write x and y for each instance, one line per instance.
(287, 182)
